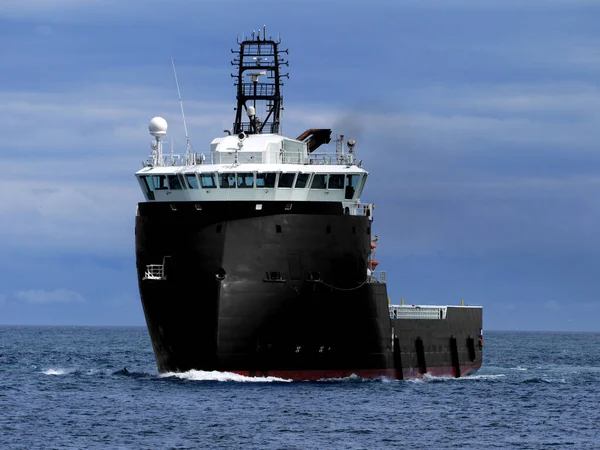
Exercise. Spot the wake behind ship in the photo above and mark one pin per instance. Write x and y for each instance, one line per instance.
(258, 258)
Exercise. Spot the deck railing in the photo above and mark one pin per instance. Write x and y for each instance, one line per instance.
(155, 271)
(417, 312)
(377, 276)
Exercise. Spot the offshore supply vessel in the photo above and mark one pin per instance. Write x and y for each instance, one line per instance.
(258, 258)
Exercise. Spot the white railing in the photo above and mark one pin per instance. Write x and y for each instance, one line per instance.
(356, 209)
(294, 157)
(417, 312)
(245, 157)
(325, 158)
(155, 271)
(377, 276)
(242, 157)
(268, 156)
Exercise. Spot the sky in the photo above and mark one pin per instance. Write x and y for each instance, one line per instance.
(479, 122)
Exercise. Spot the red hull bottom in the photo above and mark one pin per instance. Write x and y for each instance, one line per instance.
(393, 374)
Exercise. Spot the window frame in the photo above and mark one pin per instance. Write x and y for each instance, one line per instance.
(294, 175)
(355, 187)
(245, 176)
(194, 176)
(162, 185)
(212, 176)
(317, 176)
(228, 175)
(175, 177)
(306, 182)
(329, 175)
(264, 174)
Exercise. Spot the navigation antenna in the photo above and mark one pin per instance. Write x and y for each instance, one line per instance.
(188, 153)
(258, 56)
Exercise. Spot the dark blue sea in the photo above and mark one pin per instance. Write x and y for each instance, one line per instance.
(77, 387)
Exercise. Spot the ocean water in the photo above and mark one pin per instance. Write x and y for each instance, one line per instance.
(77, 387)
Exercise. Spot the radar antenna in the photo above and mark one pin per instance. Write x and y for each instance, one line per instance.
(258, 56)
(188, 154)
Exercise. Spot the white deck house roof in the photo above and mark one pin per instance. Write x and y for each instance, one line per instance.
(261, 167)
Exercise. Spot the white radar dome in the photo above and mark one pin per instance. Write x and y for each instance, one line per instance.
(158, 127)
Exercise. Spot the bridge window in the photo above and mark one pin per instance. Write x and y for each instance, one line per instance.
(266, 180)
(192, 181)
(319, 181)
(302, 180)
(351, 185)
(159, 182)
(227, 180)
(273, 276)
(147, 187)
(174, 182)
(207, 180)
(245, 180)
(286, 179)
(336, 181)
(146, 182)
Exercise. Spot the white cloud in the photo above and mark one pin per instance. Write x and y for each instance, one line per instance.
(69, 216)
(57, 10)
(493, 4)
(500, 98)
(101, 11)
(41, 296)
(72, 155)
(100, 119)
(471, 117)
(24, 8)
(70, 183)
(84, 199)
(542, 52)
(122, 300)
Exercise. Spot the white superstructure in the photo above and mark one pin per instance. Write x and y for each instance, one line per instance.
(255, 167)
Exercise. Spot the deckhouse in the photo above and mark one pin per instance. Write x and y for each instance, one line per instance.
(258, 167)
(254, 162)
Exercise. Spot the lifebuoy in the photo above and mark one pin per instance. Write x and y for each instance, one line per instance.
(373, 264)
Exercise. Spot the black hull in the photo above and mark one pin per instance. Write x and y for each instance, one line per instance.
(282, 292)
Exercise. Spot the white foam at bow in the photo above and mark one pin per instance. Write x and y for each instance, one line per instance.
(57, 371)
(428, 377)
(201, 375)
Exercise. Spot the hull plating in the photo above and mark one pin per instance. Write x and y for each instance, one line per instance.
(282, 292)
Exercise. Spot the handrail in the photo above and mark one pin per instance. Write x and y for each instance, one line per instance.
(417, 312)
(377, 276)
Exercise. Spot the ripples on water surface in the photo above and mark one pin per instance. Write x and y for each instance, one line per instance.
(98, 388)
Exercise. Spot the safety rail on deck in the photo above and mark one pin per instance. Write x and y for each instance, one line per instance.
(155, 271)
(239, 157)
(357, 209)
(173, 159)
(248, 128)
(417, 312)
(377, 277)
(244, 157)
(325, 158)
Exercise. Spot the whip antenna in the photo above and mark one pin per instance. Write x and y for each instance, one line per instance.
(187, 138)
